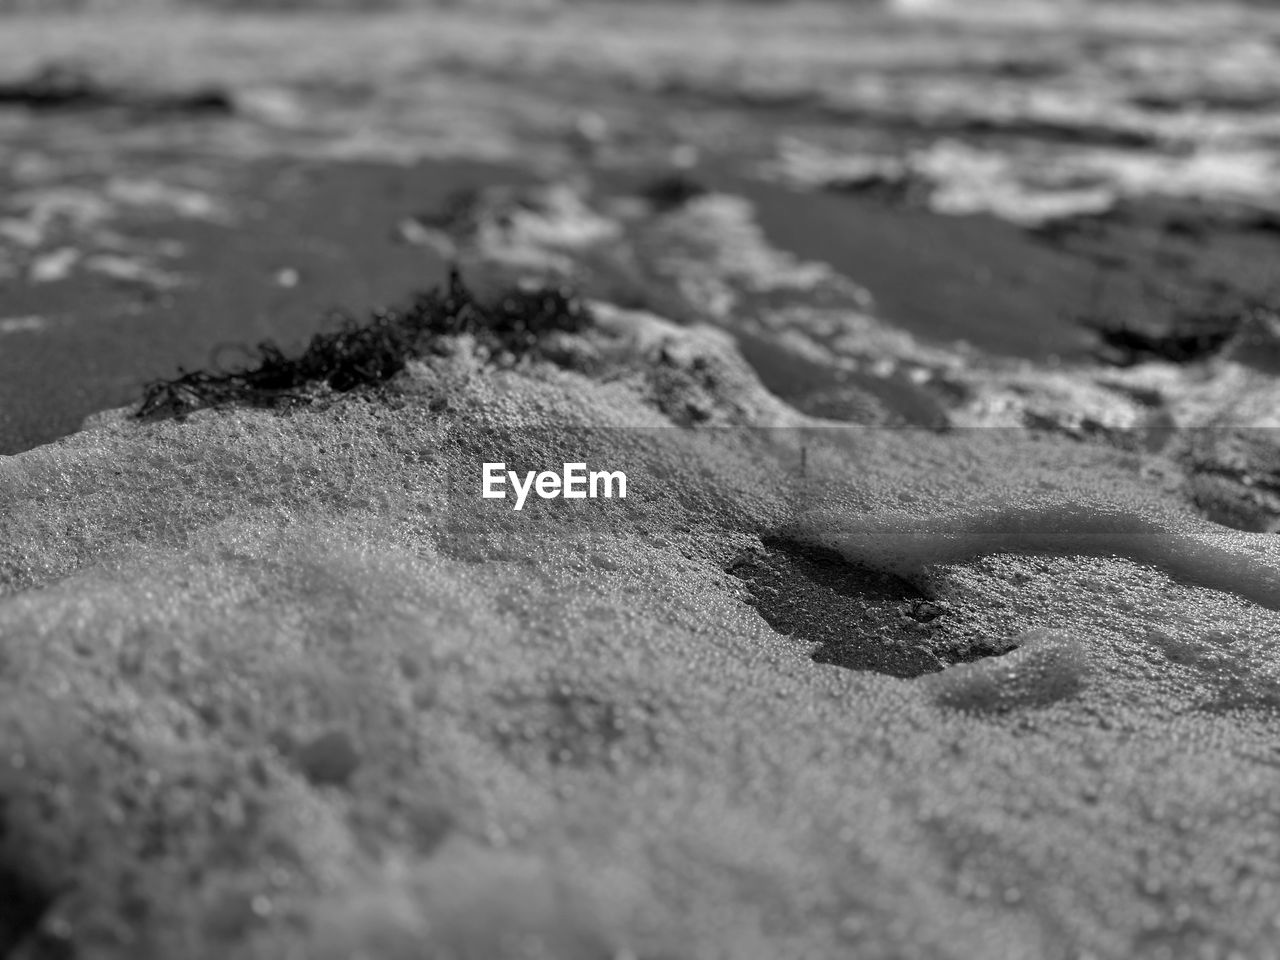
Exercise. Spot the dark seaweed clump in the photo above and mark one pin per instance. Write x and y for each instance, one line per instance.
(1127, 346)
(672, 191)
(369, 353)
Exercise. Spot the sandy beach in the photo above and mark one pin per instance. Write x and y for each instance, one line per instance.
(938, 346)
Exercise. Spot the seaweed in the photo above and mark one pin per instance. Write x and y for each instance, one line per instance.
(370, 353)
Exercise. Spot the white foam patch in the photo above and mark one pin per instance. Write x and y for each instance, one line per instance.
(28, 324)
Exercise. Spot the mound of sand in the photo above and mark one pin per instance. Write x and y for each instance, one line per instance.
(282, 684)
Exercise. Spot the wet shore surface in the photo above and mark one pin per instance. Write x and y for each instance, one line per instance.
(88, 327)
(178, 221)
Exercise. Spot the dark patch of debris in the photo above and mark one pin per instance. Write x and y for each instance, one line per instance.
(1125, 346)
(366, 354)
(1179, 101)
(61, 86)
(1264, 222)
(672, 191)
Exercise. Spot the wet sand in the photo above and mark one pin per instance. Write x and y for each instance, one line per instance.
(324, 238)
(294, 151)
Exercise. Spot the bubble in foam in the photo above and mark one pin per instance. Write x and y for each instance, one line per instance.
(1047, 666)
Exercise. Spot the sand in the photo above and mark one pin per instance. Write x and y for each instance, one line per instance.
(899, 646)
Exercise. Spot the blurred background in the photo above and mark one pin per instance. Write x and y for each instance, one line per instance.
(1057, 181)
